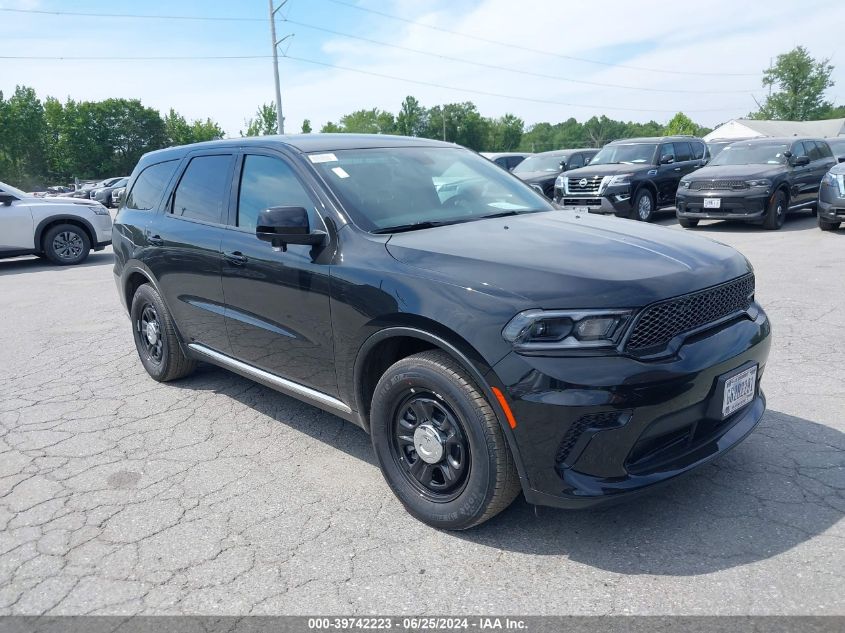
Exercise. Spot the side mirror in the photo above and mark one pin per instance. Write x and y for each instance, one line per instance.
(587, 161)
(287, 225)
(562, 165)
(667, 159)
(6, 199)
(800, 161)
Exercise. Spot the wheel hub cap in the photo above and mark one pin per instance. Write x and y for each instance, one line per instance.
(152, 333)
(429, 443)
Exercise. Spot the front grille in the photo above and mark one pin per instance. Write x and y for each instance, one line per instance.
(594, 421)
(717, 185)
(659, 323)
(583, 185)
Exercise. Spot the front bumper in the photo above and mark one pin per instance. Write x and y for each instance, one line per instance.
(595, 429)
(831, 204)
(614, 200)
(734, 205)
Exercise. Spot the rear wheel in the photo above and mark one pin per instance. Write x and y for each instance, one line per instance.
(155, 337)
(776, 213)
(66, 244)
(687, 223)
(826, 225)
(439, 443)
(644, 206)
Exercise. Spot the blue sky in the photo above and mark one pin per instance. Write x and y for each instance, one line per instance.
(667, 57)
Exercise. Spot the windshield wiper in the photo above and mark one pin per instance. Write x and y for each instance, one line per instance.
(402, 228)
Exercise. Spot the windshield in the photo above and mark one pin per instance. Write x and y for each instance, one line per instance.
(408, 186)
(4, 188)
(752, 154)
(716, 148)
(539, 163)
(637, 153)
(837, 145)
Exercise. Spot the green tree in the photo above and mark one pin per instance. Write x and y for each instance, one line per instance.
(176, 129)
(505, 133)
(306, 126)
(373, 121)
(800, 82)
(681, 124)
(411, 120)
(331, 128)
(23, 155)
(263, 123)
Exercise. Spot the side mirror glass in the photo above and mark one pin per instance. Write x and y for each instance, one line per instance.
(562, 165)
(667, 159)
(287, 225)
(800, 161)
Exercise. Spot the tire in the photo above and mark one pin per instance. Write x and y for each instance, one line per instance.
(644, 206)
(155, 337)
(430, 399)
(66, 244)
(776, 213)
(688, 223)
(826, 225)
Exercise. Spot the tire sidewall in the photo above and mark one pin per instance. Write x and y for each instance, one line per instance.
(642, 193)
(50, 236)
(471, 503)
(143, 296)
(775, 220)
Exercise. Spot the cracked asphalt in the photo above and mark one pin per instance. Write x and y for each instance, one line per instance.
(215, 495)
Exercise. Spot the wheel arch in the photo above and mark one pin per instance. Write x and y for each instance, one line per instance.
(47, 223)
(391, 344)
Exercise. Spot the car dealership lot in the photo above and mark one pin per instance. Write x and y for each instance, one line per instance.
(217, 495)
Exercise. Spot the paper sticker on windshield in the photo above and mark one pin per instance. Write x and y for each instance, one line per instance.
(340, 171)
(322, 158)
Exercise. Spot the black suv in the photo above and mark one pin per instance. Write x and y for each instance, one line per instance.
(432, 298)
(541, 170)
(633, 177)
(758, 180)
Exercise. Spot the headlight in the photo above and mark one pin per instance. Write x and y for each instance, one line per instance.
(837, 181)
(684, 184)
(537, 330)
(621, 179)
(559, 182)
(99, 209)
(761, 182)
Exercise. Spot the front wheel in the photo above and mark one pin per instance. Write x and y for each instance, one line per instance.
(688, 223)
(644, 206)
(439, 443)
(826, 225)
(66, 245)
(776, 212)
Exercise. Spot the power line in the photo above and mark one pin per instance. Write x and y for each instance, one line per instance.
(534, 50)
(507, 68)
(129, 59)
(140, 16)
(486, 93)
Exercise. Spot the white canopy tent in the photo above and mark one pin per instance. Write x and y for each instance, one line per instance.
(751, 128)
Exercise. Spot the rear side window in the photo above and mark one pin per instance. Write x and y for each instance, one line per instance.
(813, 150)
(201, 192)
(682, 152)
(149, 185)
(824, 148)
(268, 182)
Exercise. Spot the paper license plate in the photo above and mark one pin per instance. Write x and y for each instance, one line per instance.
(712, 203)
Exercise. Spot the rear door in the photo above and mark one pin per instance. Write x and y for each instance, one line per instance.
(185, 243)
(277, 302)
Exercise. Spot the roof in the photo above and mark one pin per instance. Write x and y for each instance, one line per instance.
(655, 139)
(776, 140)
(308, 143)
(746, 128)
(567, 152)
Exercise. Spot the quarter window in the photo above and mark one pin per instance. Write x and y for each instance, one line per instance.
(267, 182)
(825, 149)
(201, 193)
(149, 185)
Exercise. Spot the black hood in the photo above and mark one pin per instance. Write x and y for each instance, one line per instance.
(562, 259)
(591, 171)
(736, 172)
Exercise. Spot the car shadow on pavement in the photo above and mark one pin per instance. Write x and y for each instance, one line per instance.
(33, 264)
(798, 221)
(781, 487)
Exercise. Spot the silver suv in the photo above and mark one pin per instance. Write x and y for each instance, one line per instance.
(63, 230)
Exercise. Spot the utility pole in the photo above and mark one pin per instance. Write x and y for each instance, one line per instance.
(280, 119)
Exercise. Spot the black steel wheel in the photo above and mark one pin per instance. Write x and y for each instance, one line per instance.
(776, 212)
(156, 338)
(440, 445)
(66, 244)
(430, 446)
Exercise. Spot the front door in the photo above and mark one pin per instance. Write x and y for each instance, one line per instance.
(803, 175)
(17, 232)
(669, 173)
(277, 302)
(185, 242)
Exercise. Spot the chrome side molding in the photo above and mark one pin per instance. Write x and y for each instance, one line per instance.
(312, 396)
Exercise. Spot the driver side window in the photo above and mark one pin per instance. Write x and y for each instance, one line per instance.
(667, 153)
(267, 182)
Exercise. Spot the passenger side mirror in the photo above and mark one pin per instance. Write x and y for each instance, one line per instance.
(800, 161)
(667, 159)
(287, 225)
(562, 165)
(587, 160)
(6, 199)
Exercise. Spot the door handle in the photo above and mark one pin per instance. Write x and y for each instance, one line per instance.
(677, 169)
(237, 258)
(155, 240)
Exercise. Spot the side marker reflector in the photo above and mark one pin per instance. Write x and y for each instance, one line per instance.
(508, 413)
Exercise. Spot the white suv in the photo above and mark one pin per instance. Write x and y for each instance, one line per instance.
(64, 230)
